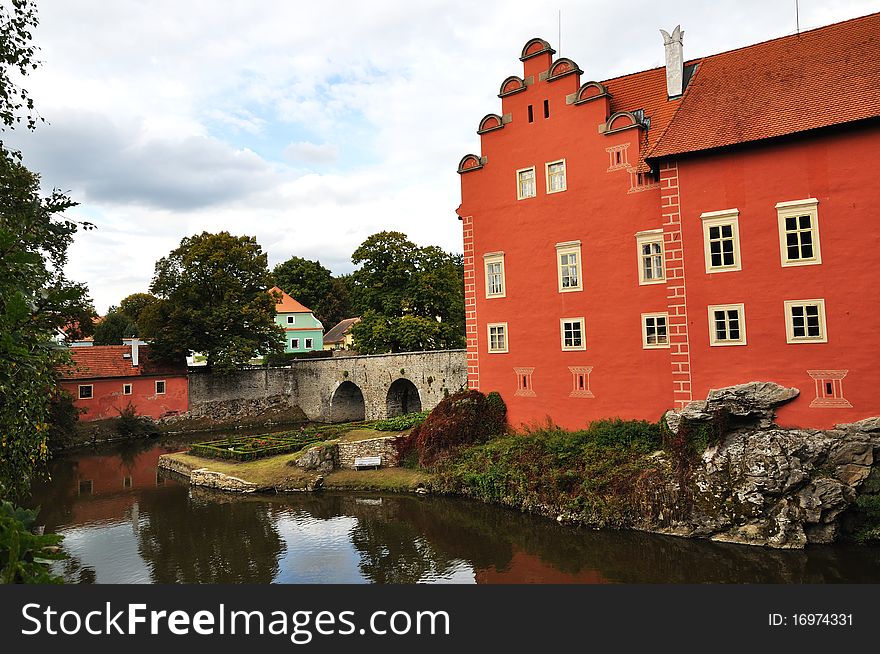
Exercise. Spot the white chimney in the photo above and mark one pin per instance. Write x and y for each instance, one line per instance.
(134, 353)
(674, 61)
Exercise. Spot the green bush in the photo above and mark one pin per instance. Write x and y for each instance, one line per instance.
(24, 556)
(63, 418)
(601, 474)
(400, 423)
(130, 425)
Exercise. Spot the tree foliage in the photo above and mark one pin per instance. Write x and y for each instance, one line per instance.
(212, 300)
(410, 298)
(314, 286)
(133, 305)
(17, 58)
(114, 327)
(36, 300)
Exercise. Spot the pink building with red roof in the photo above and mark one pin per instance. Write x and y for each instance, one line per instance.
(105, 379)
(630, 244)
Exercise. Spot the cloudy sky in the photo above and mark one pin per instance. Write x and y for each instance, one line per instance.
(311, 125)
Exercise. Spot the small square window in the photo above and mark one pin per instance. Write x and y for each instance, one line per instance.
(568, 260)
(721, 240)
(727, 324)
(126, 389)
(555, 176)
(86, 391)
(309, 342)
(525, 183)
(650, 257)
(291, 320)
(655, 330)
(572, 334)
(805, 321)
(799, 232)
(294, 343)
(494, 264)
(85, 487)
(160, 388)
(497, 337)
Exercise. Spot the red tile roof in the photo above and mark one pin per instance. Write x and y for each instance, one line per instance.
(823, 77)
(645, 90)
(287, 303)
(99, 361)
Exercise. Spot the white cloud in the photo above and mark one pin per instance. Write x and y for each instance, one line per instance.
(312, 153)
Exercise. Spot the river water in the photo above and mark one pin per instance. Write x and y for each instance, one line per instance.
(123, 521)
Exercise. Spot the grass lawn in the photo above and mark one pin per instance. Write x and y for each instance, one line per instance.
(365, 434)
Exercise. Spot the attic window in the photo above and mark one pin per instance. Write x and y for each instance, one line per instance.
(291, 320)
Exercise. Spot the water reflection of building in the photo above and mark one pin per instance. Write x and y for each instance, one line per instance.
(106, 487)
(525, 568)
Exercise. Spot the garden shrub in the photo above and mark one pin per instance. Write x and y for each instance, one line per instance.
(464, 418)
(400, 423)
(130, 425)
(24, 555)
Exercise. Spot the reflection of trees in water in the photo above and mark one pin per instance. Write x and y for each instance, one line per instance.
(74, 572)
(213, 539)
(56, 495)
(393, 552)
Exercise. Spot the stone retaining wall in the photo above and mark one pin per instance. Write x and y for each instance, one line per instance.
(382, 447)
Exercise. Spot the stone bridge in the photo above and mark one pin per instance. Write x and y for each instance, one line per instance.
(341, 389)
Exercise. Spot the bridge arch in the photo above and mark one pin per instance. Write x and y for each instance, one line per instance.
(347, 403)
(403, 397)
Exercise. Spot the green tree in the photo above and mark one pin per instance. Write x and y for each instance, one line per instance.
(410, 297)
(36, 301)
(314, 286)
(212, 300)
(17, 57)
(114, 327)
(133, 305)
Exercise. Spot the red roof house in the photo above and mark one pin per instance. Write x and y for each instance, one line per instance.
(105, 379)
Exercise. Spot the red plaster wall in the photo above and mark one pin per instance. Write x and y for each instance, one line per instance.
(836, 168)
(596, 209)
(108, 399)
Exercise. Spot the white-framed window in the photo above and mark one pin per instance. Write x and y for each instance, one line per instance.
(805, 321)
(727, 324)
(799, 232)
(126, 389)
(160, 387)
(494, 265)
(291, 320)
(294, 343)
(655, 330)
(497, 337)
(571, 333)
(525, 183)
(554, 172)
(650, 252)
(309, 342)
(86, 391)
(721, 240)
(568, 265)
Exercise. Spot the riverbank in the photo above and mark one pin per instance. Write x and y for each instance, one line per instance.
(281, 474)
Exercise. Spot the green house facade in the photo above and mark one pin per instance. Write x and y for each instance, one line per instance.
(302, 331)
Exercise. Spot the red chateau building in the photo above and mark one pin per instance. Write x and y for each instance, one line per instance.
(632, 243)
(104, 379)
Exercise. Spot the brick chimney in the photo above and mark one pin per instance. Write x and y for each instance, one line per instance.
(674, 61)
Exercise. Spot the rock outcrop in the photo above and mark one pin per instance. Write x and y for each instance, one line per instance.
(763, 485)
